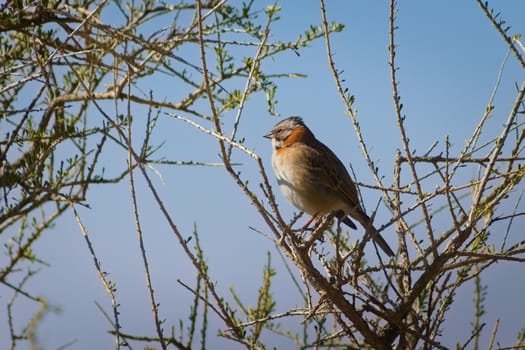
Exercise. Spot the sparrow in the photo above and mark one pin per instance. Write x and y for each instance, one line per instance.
(314, 180)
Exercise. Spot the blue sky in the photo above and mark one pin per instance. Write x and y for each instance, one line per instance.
(449, 57)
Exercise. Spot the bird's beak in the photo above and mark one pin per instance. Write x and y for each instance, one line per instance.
(268, 135)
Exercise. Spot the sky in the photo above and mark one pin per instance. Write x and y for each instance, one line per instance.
(449, 57)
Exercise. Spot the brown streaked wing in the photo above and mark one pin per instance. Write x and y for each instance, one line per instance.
(332, 173)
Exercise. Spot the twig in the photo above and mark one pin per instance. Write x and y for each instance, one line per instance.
(254, 66)
(401, 125)
(153, 303)
(108, 285)
(218, 135)
(502, 32)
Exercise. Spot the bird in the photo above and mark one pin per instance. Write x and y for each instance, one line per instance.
(314, 180)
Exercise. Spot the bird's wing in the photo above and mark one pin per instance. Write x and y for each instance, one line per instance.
(335, 176)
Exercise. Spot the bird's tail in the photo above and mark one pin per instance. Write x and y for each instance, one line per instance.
(341, 215)
(369, 227)
(373, 232)
(376, 236)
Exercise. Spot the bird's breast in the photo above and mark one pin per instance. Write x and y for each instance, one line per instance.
(299, 183)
